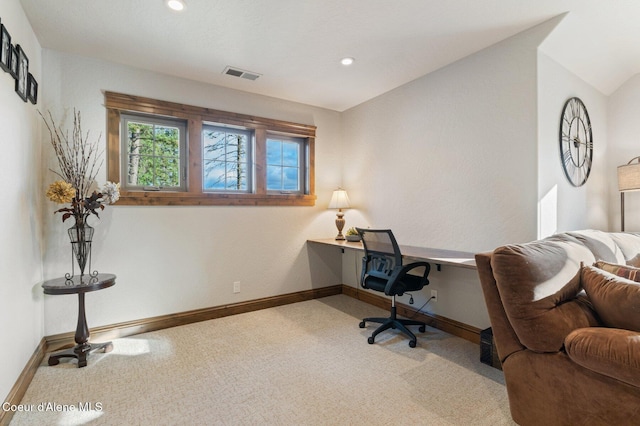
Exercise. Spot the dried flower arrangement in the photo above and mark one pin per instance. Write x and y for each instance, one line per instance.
(78, 162)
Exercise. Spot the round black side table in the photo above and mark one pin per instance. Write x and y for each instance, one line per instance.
(79, 285)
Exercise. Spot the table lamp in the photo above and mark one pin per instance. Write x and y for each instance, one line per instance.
(339, 200)
(628, 180)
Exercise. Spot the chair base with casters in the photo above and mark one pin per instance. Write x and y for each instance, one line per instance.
(395, 323)
(383, 271)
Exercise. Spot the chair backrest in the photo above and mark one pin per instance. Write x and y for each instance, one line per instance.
(381, 249)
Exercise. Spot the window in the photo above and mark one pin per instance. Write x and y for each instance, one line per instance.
(226, 159)
(285, 167)
(165, 153)
(154, 157)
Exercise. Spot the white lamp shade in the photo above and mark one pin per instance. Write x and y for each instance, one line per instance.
(629, 176)
(339, 199)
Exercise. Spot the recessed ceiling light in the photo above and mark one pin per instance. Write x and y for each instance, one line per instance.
(176, 4)
(346, 61)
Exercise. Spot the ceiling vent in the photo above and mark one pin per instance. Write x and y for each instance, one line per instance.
(237, 72)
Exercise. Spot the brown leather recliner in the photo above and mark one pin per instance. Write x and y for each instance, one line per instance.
(562, 365)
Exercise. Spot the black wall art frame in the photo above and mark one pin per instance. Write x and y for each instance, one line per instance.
(13, 64)
(32, 89)
(5, 48)
(22, 77)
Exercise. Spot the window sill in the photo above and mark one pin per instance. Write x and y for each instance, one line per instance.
(155, 198)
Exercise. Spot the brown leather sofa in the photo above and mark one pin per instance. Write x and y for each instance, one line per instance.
(569, 356)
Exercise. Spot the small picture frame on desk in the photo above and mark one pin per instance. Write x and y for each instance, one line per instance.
(5, 49)
(22, 78)
(32, 91)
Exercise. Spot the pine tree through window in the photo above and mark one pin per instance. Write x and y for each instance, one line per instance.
(154, 149)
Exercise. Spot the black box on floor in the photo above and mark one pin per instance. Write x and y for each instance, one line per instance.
(488, 353)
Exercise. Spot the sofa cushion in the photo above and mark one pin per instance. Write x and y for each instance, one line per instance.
(634, 261)
(602, 245)
(624, 271)
(615, 299)
(609, 351)
(629, 244)
(539, 284)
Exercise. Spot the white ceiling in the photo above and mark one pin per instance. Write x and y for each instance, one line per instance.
(297, 44)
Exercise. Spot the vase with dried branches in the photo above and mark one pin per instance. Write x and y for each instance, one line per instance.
(79, 161)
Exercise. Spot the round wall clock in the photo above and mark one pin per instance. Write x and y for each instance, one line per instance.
(576, 142)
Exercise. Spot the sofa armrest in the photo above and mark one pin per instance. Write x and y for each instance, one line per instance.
(609, 351)
(505, 338)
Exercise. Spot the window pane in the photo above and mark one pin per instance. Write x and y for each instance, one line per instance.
(214, 176)
(167, 171)
(145, 146)
(283, 165)
(236, 147)
(236, 177)
(167, 141)
(153, 154)
(274, 177)
(145, 172)
(274, 152)
(214, 147)
(133, 170)
(140, 139)
(290, 179)
(290, 154)
(225, 159)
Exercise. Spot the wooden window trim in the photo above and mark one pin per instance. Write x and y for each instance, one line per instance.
(117, 103)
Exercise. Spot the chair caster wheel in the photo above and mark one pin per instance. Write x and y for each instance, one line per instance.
(422, 329)
(362, 324)
(412, 344)
(370, 340)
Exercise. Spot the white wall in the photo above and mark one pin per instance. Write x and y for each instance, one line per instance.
(21, 323)
(449, 161)
(173, 259)
(576, 208)
(563, 207)
(624, 142)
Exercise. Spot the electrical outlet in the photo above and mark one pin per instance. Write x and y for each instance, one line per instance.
(434, 295)
(236, 286)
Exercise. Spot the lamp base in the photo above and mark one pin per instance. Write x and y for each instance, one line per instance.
(340, 224)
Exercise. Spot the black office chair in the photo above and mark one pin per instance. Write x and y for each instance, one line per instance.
(382, 270)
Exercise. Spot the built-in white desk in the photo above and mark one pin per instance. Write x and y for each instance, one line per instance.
(438, 257)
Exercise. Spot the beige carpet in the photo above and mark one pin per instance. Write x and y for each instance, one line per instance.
(301, 364)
